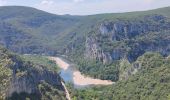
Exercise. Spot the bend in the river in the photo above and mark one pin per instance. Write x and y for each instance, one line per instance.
(77, 77)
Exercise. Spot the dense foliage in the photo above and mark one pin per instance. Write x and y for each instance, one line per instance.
(41, 60)
(15, 68)
(31, 31)
(98, 70)
(151, 82)
(5, 73)
(95, 46)
(137, 33)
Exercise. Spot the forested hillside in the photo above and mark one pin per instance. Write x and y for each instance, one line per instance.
(22, 79)
(95, 43)
(121, 37)
(28, 30)
(151, 82)
(131, 49)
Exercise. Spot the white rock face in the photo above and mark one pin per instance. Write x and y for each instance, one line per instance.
(28, 80)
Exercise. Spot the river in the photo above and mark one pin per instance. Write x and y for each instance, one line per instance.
(71, 75)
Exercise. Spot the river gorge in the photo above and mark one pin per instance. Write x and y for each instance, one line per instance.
(74, 76)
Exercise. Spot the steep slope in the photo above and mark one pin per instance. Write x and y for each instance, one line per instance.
(96, 43)
(23, 79)
(151, 82)
(28, 30)
(122, 36)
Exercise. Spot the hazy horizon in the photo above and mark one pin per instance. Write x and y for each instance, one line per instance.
(88, 7)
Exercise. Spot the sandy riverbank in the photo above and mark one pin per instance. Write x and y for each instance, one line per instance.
(78, 78)
(62, 64)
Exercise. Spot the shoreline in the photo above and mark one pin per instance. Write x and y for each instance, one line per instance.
(61, 63)
(78, 78)
(82, 80)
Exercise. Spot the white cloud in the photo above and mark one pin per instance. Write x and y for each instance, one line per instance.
(47, 2)
(87, 7)
(3, 2)
(53, 6)
(78, 1)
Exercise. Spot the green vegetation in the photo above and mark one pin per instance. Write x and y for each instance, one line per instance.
(30, 31)
(99, 70)
(122, 39)
(50, 92)
(151, 82)
(40, 77)
(5, 73)
(41, 60)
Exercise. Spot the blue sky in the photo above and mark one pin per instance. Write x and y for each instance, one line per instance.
(88, 7)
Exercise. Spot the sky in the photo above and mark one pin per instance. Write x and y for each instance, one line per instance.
(88, 7)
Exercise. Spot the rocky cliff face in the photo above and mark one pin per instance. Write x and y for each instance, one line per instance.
(27, 79)
(131, 70)
(93, 51)
(124, 29)
(123, 38)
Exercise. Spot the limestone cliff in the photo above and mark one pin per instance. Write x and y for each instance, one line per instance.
(129, 39)
(29, 80)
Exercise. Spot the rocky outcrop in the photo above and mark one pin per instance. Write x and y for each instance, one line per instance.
(26, 77)
(128, 33)
(158, 44)
(21, 79)
(93, 51)
(133, 69)
(27, 81)
(120, 30)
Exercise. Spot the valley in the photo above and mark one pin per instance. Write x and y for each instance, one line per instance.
(76, 77)
(116, 56)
